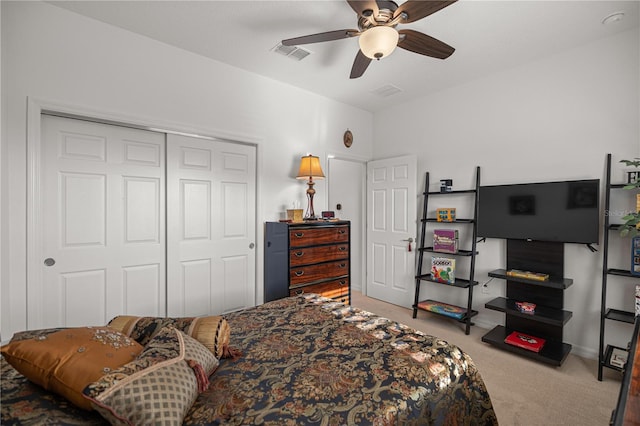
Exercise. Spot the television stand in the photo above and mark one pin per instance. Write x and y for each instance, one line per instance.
(549, 317)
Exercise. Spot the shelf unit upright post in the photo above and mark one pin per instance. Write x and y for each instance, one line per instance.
(463, 283)
(605, 312)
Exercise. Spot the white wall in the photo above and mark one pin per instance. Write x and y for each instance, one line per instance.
(553, 119)
(55, 55)
(4, 272)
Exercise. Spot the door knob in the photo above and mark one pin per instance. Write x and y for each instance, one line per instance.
(49, 261)
(410, 240)
(252, 245)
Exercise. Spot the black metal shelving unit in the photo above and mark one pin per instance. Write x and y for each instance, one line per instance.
(606, 312)
(462, 283)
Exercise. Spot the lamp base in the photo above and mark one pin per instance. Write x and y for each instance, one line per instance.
(310, 215)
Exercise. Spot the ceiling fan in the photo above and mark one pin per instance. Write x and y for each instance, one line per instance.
(377, 21)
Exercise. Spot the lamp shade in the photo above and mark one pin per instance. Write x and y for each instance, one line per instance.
(378, 42)
(310, 168)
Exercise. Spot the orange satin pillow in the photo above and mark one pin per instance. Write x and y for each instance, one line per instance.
(66, 361)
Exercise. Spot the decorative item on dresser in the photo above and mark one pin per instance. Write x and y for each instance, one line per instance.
(309, 257)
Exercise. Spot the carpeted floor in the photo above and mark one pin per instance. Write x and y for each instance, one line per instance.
(523, 392)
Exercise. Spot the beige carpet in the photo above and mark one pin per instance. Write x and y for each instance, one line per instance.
(523, 392)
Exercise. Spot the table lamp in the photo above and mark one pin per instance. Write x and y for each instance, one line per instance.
(310, 169)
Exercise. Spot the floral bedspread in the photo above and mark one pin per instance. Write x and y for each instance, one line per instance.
(307, 360)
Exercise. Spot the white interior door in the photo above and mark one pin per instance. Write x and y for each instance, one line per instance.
(391, 222)
(346, 185)
(102, 216)
(211, 233)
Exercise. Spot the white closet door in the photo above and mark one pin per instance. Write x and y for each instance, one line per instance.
(211, 232)
(103, 229)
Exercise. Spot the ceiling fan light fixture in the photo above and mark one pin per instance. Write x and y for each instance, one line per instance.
(378, 42)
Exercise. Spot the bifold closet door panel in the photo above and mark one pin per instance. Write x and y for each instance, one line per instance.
(211, 226)
(102, 222)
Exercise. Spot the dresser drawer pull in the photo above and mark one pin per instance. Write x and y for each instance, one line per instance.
(299, 273)
(299, 253)
(341, 231)
(299, 234)
(342, 248)
(299, 292)
(342, 282)
(342, 265)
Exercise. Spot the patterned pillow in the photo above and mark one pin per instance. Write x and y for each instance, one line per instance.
(211, 331)
(64, 361)
(160, 386)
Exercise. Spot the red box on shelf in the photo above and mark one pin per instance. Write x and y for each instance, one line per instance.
(525, 341)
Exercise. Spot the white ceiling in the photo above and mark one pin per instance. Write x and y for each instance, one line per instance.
(488, 36)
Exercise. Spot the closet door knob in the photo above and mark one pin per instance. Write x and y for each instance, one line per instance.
(49, 261)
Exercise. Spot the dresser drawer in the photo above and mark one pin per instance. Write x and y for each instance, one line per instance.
(311, 273)
(305, 256)
(300, 237)
(333, 289)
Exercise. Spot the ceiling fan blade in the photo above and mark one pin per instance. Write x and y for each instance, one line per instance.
(423, 44)
(320, 37)
(418, 9)
(359, 65)
(362, 6)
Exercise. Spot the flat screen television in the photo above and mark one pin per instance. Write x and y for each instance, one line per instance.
(565, 211)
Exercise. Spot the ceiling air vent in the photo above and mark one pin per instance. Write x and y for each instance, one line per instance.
(386, 90)
(293, 52)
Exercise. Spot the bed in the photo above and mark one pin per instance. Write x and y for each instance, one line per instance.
(307, 360)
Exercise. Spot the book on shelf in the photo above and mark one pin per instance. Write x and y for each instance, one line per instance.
(446, 214)
(445, 240)
(635, 256)
(525, 341)
(536, 276)
(443, 270)
(443, 308)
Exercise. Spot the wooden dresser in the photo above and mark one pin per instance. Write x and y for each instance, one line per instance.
(307, 257)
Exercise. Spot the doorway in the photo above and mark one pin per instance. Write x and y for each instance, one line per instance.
(346, 188)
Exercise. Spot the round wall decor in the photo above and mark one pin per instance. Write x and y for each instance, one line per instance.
(348, 138)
